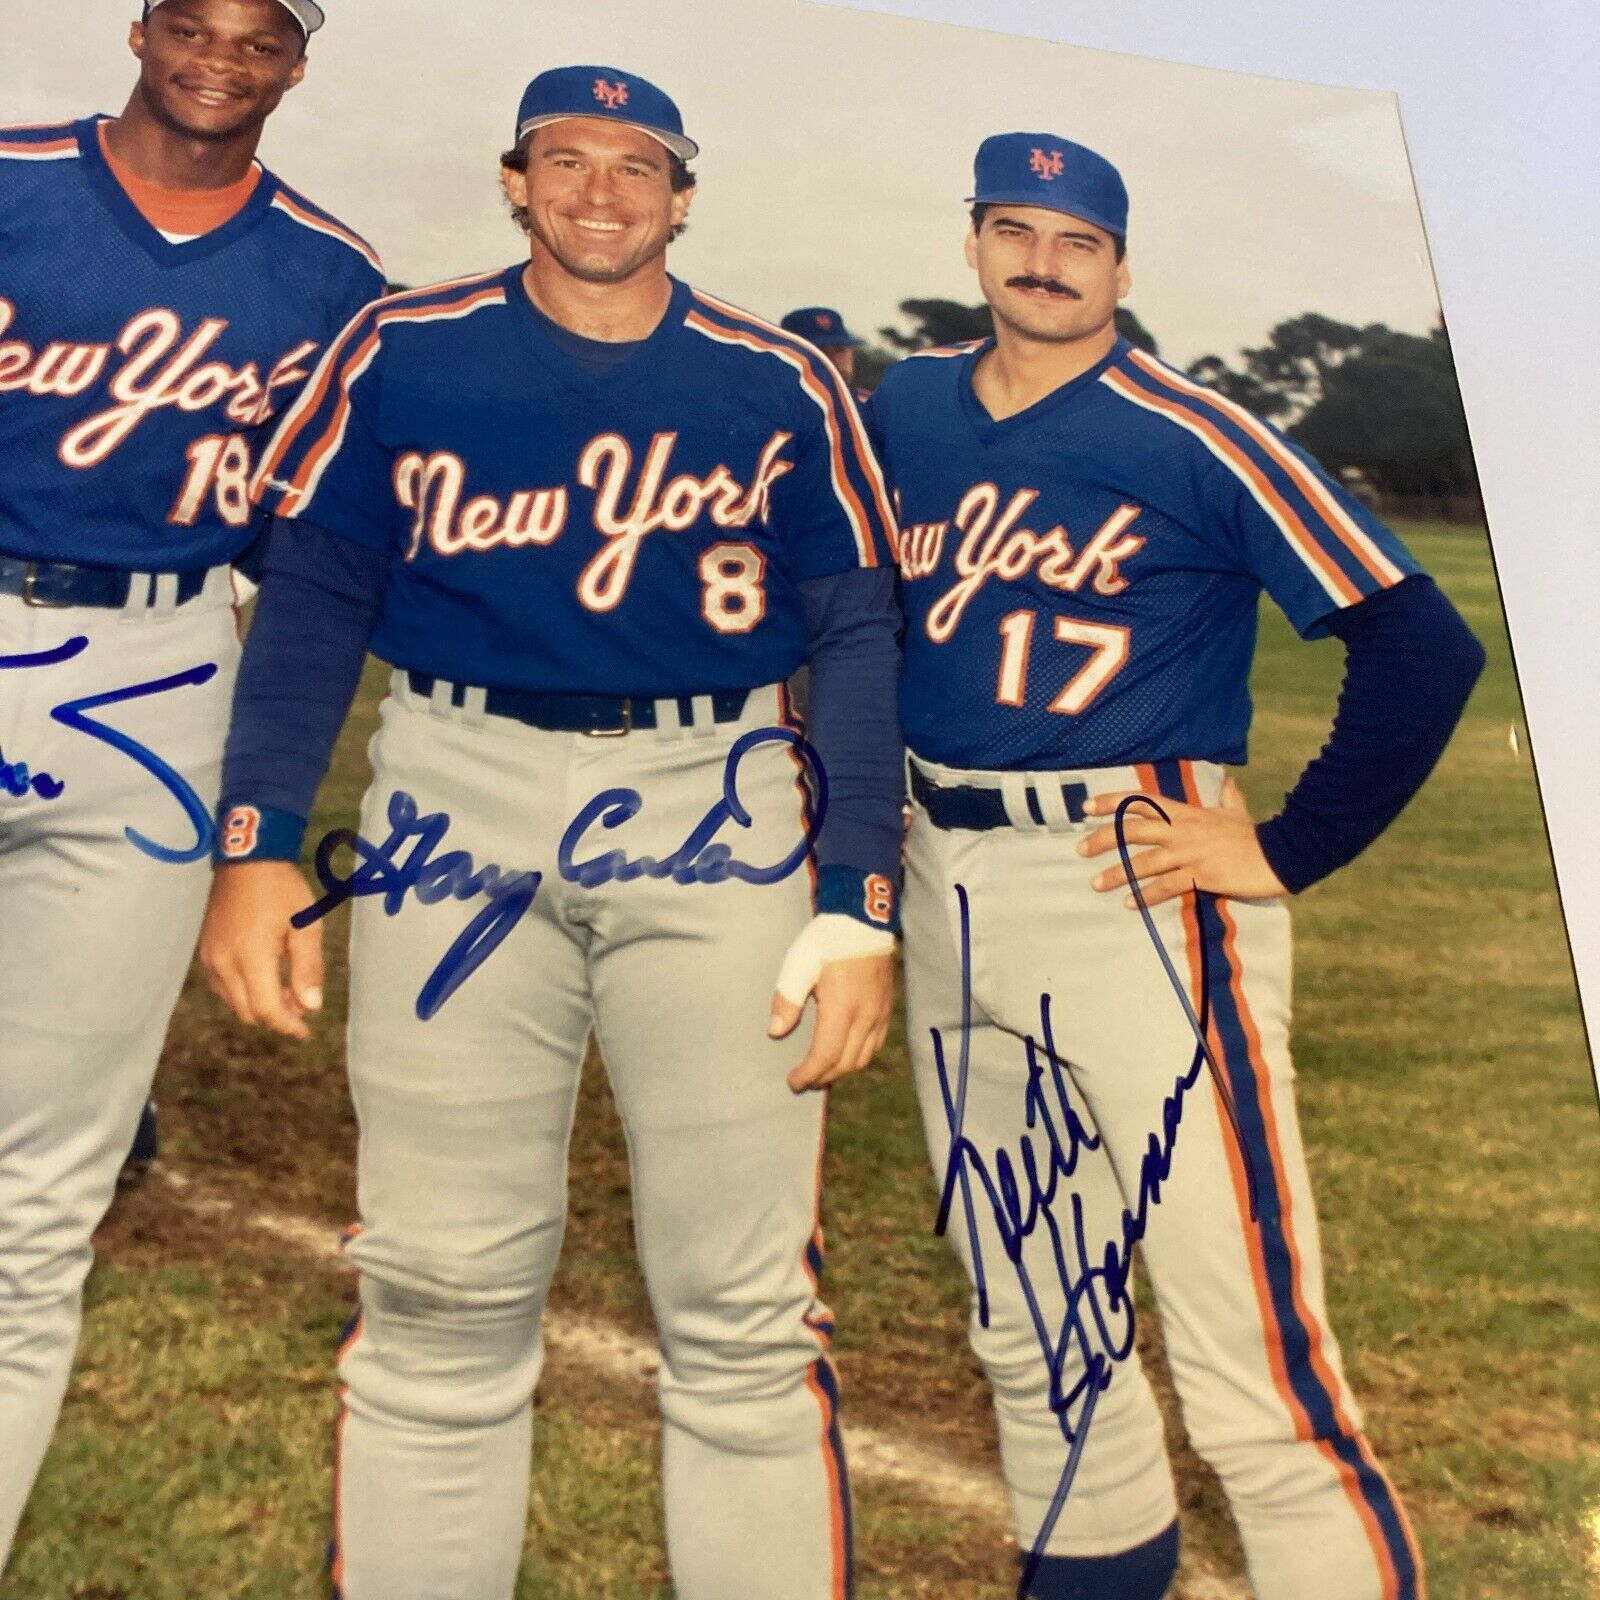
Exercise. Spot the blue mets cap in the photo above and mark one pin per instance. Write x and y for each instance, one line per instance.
(820, 325)
(603, 92)
(1039, 169)
(306, 12)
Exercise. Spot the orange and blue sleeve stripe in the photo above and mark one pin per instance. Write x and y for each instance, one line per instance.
(39, 141)
(313, 430)
(317, 220)
(1346, 553)
(1312, 1392)
(854, 474)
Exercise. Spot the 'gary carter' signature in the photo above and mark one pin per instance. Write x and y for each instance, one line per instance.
(1097, 1329)
(17, 780)
(702, 858)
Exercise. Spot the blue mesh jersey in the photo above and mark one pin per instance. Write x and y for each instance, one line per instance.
(1080, 580)
(638, 531)
(138, 376)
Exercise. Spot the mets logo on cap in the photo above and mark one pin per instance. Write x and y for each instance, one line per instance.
(822, 325)
(1042, 169)
(604, 92)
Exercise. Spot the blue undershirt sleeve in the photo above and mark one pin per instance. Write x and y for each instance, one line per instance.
(320, 599)
(1411, 662)
(853, 626)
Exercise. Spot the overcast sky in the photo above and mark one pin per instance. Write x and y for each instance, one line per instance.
(836, 150)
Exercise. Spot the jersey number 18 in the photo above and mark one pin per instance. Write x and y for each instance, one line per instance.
(219, 464)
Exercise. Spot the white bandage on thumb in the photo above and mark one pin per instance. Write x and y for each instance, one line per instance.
(829, 937)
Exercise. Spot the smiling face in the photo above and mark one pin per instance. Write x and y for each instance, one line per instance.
(216, 69)
(1048, 277)
(598, 197)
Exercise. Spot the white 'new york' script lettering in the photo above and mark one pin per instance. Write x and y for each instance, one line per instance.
(154, 364)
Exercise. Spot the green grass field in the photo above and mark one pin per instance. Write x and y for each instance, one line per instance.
(1449, 1113)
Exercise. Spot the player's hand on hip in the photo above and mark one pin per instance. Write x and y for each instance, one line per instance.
(265, 970)
(1199, 847)
(849, 967)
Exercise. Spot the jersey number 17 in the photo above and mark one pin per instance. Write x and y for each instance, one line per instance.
(1107, 640)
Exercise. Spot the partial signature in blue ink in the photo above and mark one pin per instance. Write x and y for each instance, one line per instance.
(17, 780)
(702, 857)
(1022, 1194)
(381, 870)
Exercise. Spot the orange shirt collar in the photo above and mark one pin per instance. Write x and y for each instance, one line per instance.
(185, 211)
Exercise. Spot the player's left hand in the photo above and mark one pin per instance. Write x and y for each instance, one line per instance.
(849, 967)
(1202, 847)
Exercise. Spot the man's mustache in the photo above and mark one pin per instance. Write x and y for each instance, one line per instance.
(1050, 285)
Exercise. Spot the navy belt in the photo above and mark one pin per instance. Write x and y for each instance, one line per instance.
(980, 809)
(604, 715)
(59, 583)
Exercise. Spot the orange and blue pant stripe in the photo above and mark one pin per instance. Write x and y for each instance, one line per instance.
(823, 1383)
(1295, 1336)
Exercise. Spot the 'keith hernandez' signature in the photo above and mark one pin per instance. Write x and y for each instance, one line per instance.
(1097, 1329)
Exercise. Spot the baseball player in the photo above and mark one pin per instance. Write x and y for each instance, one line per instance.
(593, 518)
(162, 296)
(824, 327)
(1085, 536)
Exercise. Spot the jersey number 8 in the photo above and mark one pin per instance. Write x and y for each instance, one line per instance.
(732, 599)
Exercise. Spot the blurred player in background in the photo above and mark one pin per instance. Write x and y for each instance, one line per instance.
(824, 327)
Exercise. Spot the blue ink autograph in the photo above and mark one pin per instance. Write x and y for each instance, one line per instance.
(16, 779)
(1098, 1324)
(701, 858)
(451, 876)
(379, 869)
